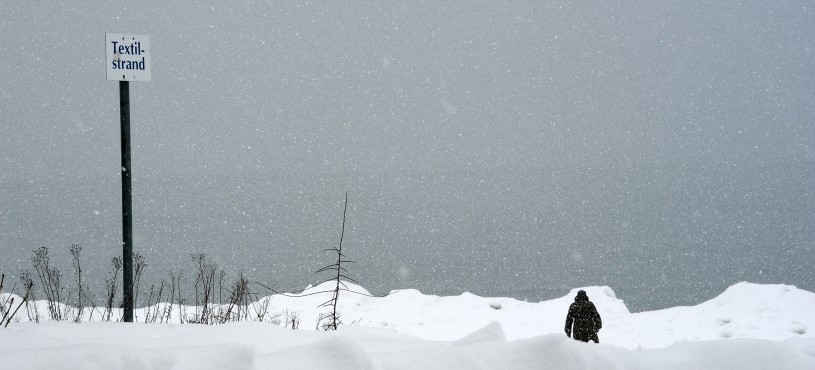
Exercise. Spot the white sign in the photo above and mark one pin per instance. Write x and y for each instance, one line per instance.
(127, 57)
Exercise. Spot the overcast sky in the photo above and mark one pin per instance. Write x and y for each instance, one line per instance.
(665, 149)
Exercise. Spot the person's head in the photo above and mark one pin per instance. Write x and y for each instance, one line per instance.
(581, 296)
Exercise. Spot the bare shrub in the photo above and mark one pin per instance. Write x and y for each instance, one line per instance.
(152, 310)
(261, 308)
(75, 251)
(175, 291)
(238, 301)
(5, 305)
(292, 319)
(31, 309)
(50, 279)
(9, 315)
(111, 282)
(204, 288)
(138, 266)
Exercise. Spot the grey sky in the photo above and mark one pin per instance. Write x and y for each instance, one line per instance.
(665, 149)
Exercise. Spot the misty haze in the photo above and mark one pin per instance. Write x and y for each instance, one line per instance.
(664, 149)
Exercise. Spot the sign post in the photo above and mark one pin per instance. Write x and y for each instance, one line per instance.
(128, 59)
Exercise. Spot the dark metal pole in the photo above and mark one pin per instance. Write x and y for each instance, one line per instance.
(127, 216)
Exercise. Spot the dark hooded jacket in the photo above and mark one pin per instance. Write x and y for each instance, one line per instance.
(583, 315)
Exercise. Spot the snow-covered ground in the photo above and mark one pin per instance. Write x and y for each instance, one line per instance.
(748, 326)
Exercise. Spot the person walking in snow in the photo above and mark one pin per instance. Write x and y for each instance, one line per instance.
(585, 318)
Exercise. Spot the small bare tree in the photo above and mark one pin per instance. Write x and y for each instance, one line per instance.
(331, 321)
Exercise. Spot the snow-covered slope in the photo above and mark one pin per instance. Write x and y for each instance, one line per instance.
(749, 326)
